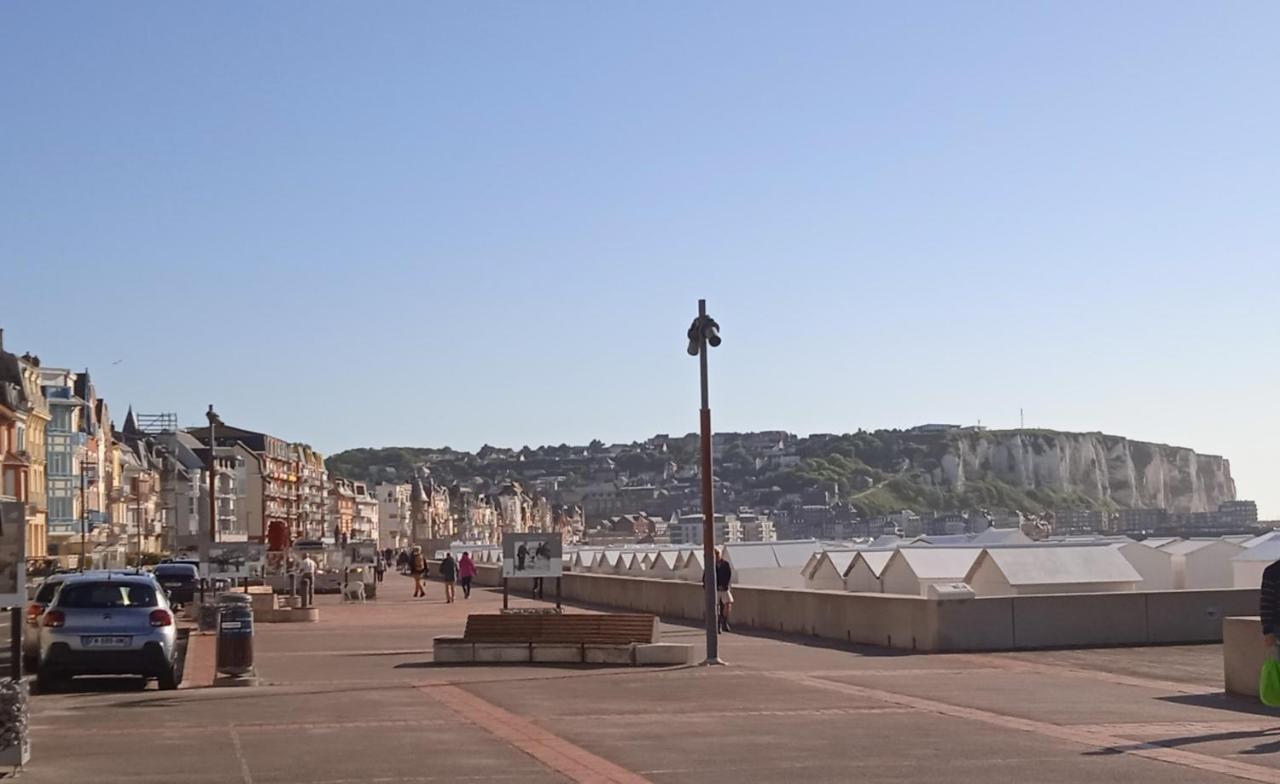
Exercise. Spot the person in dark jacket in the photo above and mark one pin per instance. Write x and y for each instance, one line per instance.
(724, 592)
(1269, 605)
(449, 574)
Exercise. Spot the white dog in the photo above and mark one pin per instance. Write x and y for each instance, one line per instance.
(354, 591)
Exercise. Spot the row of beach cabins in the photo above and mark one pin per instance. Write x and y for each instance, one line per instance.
(997, 562)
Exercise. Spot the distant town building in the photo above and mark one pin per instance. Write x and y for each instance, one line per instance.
(1074, 522)
(687, 529)
(364, 524)
(393, 514)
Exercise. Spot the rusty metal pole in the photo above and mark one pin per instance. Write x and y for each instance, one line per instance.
(213, 478)
(137, 518)
(708, 500)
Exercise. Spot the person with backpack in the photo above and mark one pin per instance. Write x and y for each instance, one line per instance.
(418, 571)
(449, 574)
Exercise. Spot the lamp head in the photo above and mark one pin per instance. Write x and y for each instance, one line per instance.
(695, 338)
(711, 330)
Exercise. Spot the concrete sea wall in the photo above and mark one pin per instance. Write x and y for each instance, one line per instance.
(920, 624)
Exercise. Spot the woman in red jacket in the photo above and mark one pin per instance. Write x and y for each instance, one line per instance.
(466, 571)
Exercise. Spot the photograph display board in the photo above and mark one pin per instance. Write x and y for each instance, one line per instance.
(13, 554)
(362, 552)
(238, 559)
(532, 555)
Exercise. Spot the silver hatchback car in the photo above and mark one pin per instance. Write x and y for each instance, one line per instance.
(113, 624)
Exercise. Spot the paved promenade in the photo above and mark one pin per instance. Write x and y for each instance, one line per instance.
(355, 698)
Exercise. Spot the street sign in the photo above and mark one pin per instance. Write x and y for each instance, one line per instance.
(13, 554)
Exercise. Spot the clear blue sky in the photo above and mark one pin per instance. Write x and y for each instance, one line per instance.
(457, 223)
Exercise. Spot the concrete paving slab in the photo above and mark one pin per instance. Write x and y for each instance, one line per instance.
(354, 704)
(1061, 700)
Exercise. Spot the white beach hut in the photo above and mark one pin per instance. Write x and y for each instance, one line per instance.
(691, 566)
(755, 563)
(863, 574)
(609, 562)
(584, 559)
(1155, 565)
(1247, 566)
(665, 564)
(828, 574)
(1202, 563)
(1016, 571)
(910, 570)
(1261, 539)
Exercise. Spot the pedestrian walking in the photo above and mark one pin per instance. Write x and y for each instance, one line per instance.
(402, 562)
(379, 569)
(418, 571)
(466, 573)
(448, 573)
(724, 592)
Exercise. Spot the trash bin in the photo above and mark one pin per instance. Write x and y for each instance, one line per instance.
(207, 617)
(235, 634)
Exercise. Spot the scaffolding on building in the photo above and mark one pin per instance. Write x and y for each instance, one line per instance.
(156, 424)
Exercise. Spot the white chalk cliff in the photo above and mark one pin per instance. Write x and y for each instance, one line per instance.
(1133, 474)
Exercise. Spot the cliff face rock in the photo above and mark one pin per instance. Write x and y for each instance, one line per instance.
(1133, 474)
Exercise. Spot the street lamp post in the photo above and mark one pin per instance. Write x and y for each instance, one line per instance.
(705, 332)
(139, 486)
(85, 468)
(214, 421)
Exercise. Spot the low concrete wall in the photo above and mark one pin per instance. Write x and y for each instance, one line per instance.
(1242, 654)
(917, 623)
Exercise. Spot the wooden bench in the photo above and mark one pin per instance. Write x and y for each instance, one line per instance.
(570, 629)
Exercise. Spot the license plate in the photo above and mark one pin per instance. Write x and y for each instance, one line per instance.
(106, 642)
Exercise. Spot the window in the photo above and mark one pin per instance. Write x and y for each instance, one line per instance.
(60, 463)
(47, 589)
(103, 595)
(61, 508)
(22, 438)
(61, 418)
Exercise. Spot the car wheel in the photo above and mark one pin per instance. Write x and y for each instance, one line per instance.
(169, 679)
(48, 681)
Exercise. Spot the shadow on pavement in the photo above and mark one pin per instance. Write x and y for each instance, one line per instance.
(1223, 701)
(1191, 740)
(102, 685)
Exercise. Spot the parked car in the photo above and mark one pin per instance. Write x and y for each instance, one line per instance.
(36, 607)
(180, 579)
(108, 624)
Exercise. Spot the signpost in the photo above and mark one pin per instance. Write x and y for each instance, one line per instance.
(13, 594)
(537, 556)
